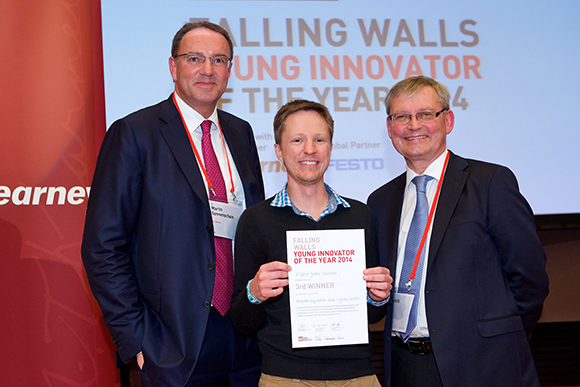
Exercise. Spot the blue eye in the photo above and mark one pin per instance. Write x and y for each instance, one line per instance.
(195, 59)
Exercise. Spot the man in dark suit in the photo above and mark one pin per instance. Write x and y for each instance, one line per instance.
(157, 263)
(466, 303)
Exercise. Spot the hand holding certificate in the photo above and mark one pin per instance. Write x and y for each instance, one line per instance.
(327, 290)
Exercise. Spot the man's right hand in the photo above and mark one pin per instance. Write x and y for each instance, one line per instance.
(270, 280)
(140, 360)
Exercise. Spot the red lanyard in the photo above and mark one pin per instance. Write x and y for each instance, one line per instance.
(429, 219)
(209, 184)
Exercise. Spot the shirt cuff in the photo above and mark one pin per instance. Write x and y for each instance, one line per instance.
(373, 302)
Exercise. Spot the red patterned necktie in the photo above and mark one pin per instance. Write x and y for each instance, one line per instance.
(223, 285)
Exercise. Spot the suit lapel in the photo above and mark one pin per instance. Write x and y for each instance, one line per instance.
(242, 151)
(177, 139)
(393, 217)
(453, 183)
(232, 140)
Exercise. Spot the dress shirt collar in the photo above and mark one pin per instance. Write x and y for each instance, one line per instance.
(192, 118)
(434, 170)
(282, 199)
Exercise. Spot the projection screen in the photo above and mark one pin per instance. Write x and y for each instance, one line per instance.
(510, 68)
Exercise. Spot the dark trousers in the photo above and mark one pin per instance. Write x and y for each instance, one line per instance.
(226, 359)
(413, 370)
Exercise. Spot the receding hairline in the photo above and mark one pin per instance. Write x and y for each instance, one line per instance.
(188, 27)
(409, 87)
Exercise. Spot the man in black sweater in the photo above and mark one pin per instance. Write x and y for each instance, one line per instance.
(260, 305)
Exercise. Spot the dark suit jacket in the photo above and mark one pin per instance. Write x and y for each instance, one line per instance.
(486, 279)
(148, 245)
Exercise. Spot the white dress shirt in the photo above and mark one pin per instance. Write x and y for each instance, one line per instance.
(193, 121)
(409, 203)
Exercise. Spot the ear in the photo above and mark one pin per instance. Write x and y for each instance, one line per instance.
(173, 68)
(389, 128)
(449, 121)
(278, 150)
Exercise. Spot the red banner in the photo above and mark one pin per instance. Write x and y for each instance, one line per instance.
(51, 124)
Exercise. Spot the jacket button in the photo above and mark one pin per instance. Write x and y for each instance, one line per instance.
(206, 304)
(210, 266)
(208, 229)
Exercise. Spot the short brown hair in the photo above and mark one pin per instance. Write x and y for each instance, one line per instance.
(200, 24)
(301, 105)
(408, 87)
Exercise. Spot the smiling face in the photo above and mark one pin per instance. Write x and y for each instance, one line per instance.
(201, 86)
(305, 148)
(420, 143)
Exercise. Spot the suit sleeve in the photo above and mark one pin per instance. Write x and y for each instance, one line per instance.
(112, 215)
(522, 256)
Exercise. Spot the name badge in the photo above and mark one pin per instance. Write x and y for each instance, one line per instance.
(225, 218)
(402, 303)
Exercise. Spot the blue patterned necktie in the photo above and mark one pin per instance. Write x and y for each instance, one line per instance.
(414, 237)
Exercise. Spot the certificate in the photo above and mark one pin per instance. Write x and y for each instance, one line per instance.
(327, 291)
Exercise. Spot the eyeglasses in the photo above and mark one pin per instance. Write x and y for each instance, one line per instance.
(198, 59)
(424, 116)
